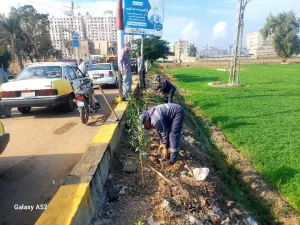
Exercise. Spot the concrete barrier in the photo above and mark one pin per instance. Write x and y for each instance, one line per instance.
(79, 198)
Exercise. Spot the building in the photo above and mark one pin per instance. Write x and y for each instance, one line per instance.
(89, 28)
(258, 46)
(181, 50)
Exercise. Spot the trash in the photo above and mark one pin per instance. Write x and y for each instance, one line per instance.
(183, 172)
(200, 173)
(236, 211)
(170, 174)
(144, 155)
(251, 221)
(193, 220)
(174, 188)
(230, 203)
(150, 221)
(53, 182)
(165, 204)
(110, 176)
(122, 191)
(190, 172)
(226, 222)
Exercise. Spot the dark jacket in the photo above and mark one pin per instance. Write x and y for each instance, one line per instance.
(165, 86)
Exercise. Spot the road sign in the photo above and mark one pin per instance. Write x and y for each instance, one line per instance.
(75, 39)
(144, 17)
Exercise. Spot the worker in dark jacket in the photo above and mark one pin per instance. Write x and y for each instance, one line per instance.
(167, 120)
(167, 88)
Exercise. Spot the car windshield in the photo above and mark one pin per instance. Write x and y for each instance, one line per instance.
(100, 67)
(40, 72)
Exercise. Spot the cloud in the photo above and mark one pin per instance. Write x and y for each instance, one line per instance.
(220, 30)
(190, 33)
(57, 8)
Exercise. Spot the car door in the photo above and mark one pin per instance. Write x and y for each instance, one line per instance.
(72, 76)
(79, 74)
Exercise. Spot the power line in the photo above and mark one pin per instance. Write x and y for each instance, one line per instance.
(45, 5)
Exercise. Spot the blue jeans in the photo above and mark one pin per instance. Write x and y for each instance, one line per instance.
(127, 83)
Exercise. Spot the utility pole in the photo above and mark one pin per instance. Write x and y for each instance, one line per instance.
(120, 37)
(237, 42)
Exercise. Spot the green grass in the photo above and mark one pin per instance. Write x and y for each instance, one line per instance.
(261, 119)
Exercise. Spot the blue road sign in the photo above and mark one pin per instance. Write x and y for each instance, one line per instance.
(144, 17)
(75, 39)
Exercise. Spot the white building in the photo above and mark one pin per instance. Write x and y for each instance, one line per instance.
(258, 46)
(181, 49)
(93, 28)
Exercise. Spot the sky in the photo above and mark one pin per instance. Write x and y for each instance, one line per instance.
(202, 22)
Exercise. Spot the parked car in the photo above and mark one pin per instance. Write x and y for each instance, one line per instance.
(4, 138)
(43, 84)
(104, 73)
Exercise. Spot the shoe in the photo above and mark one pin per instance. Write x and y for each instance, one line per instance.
(97, 105)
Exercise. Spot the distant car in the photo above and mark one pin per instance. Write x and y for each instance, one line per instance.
(43, 84)
(104, 73)
(4, 138)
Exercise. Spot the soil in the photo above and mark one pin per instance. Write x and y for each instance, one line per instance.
(176, 199)
(225, 64)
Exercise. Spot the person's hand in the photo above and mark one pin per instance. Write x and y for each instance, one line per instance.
(164, 151)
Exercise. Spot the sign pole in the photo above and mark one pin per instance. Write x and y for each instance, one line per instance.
(142, 82)
(120, 36)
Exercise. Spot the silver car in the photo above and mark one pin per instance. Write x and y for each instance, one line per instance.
(104, 73)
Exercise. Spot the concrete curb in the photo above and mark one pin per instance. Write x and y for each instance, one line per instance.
(78, 199)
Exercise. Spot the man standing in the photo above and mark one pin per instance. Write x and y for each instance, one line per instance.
(4, 112)
(125, 69)
(82, 66)
(167, 120)
(166, 87)
(141, 71)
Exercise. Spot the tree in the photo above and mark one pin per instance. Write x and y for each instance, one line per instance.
(154, 48)
(283, 29)
(36, 28)
(12, 31)
(193, 51)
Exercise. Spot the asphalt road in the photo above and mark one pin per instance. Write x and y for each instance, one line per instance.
(45, 145)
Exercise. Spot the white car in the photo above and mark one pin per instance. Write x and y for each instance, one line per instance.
(104, 73)
(43, 84)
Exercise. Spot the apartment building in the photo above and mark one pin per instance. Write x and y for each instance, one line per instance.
(258, 46)
(92, 28)
(181, 49)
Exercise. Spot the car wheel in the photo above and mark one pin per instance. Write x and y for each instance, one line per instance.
(70, 105)
(24, 110)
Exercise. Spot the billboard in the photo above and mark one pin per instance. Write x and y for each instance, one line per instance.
(144, 17)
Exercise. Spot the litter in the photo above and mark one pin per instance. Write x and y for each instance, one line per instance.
(150, 221)
(251, 221)
(194, 221)
(200, 174)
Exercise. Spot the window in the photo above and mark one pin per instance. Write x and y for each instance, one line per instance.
(78, 72)
(100, 67)
(40, 72)
(71, 74)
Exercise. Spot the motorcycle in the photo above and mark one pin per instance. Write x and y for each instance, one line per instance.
(85, 100)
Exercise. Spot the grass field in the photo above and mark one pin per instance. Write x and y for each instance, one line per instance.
(261, 119)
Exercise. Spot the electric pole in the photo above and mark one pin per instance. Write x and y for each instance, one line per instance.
(237, 42)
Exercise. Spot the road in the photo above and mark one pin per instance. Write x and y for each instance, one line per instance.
(45, 145)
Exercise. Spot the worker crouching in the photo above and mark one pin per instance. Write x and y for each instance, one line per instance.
(167, 120)
(166, 87)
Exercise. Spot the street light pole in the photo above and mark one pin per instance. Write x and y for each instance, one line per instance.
(120, 36)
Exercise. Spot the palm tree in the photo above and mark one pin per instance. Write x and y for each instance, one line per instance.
(12, 30)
